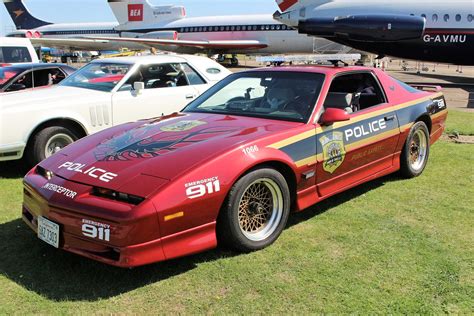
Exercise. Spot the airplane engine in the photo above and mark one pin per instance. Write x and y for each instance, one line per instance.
(366, 28)
(167, 35)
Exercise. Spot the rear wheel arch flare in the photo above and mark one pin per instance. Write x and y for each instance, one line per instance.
(426, 119)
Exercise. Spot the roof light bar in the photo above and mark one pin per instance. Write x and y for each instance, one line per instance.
(316, 59)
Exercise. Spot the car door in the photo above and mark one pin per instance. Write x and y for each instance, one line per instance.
(353, 150)
(167, 90)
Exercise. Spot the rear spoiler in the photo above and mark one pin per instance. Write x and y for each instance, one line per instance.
(426, 87)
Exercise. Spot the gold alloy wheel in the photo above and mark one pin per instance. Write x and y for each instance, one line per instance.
(418, 150)
(260, 209)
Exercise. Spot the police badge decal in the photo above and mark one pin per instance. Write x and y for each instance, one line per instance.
(333, 151)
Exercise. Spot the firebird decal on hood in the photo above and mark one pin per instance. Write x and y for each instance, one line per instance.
(182, 126)
(149, 141)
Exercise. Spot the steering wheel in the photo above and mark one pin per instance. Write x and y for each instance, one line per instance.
(297, 105)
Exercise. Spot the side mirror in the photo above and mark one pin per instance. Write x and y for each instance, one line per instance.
(333, 115)
(16, 87)
(138, 87)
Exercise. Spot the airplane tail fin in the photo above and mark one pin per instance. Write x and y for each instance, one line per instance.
(285, 5)
(292, 5)
(21, 16)
(141, 12)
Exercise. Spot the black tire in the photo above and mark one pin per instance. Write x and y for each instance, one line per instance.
(36, 151)
(409, 167)
(234, 62)
(271, 185)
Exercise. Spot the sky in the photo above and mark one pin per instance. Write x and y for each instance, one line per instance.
(98, 11)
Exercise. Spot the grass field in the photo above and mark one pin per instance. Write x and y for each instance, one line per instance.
(388, 246)
(460, 122)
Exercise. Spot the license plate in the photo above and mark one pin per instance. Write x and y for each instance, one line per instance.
(48, 231)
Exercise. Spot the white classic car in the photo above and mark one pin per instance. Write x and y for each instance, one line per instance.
(101, 94)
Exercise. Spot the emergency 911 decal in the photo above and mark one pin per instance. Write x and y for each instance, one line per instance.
(202, 187)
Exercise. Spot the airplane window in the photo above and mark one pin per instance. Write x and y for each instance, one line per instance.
(470, 17)
(435, 17)
(446, 17)
(458, 17)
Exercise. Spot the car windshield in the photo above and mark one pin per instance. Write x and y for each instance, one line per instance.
(97, 76)
(288, 96)
(7, 74)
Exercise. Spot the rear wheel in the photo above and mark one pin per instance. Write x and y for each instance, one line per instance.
(416, 151)
(256, 211)
(49, 141)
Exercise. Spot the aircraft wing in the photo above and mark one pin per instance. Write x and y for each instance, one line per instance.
(192, 45)
(82, 43)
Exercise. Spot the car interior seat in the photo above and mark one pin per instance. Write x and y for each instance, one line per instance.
(339, 100)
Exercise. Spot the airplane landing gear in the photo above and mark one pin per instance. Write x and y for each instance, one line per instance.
(234, 61)
(226, 60)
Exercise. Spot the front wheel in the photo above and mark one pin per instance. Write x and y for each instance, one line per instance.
(415, 151)
(49, 141)
(256, 211)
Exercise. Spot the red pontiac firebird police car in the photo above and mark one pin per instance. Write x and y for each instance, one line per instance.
(232, 165)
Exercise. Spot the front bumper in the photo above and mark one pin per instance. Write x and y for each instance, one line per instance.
(135, 238)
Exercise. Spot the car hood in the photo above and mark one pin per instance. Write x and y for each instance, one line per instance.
(162, 148)
(52, 95)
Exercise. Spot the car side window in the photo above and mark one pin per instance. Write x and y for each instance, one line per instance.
(193, 77)
(157, 76)
(354, 92)
(47, 77)
(14, 55)
(25, 79)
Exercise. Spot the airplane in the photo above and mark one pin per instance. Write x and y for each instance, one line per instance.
(434, 30)
(166, 27)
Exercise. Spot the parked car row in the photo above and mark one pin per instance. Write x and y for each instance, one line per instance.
(36, 123)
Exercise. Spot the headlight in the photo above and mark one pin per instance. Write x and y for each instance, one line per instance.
(117, 196)
(44, 173)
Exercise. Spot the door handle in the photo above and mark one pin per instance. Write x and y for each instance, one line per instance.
(190, 96)
(389, 118)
